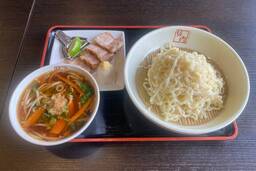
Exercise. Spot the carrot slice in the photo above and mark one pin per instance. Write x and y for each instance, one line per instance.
(33, 118)
(70, 83)
(58, 127)
(71, 107)
(80, 111)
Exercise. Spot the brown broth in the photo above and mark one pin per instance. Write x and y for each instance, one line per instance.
(55, 100)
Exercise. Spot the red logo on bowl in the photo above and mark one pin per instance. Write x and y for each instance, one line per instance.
(181, 36)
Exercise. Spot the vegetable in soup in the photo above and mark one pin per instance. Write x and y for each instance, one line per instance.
(56, 104)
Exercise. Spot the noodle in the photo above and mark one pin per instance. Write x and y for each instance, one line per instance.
(182, 85)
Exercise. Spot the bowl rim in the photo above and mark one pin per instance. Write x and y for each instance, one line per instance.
(24, 83)
(170, 126)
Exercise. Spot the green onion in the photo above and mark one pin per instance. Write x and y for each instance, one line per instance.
(48, 115)
(85, 87)
(64, 115)
(88, 92)
(52, 121)
(72, 127)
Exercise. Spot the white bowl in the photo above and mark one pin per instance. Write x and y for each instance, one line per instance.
(208, 44)
(13, 104)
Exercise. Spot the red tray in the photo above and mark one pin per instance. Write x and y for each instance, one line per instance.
(121, 133)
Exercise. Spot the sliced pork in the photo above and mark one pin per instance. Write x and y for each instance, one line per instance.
(100, 53)
(116, 44)
(90, 60)
(108, 42)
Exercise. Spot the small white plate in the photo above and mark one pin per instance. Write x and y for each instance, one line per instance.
(110, 82)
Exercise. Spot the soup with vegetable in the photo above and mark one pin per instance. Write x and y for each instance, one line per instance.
(56, 104)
